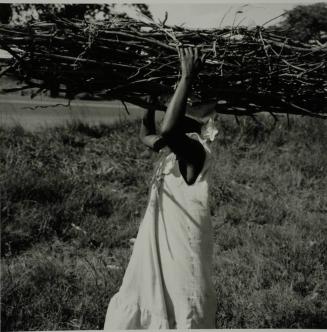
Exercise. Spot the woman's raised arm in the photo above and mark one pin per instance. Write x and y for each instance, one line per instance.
(189, 152)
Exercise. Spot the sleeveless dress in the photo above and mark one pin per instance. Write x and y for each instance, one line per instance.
(167, 283)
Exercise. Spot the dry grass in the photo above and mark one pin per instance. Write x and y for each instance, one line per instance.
(73, 197)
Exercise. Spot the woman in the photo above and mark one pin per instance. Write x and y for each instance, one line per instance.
(167, 284)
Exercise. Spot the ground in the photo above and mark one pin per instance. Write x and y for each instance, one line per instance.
(73, 197)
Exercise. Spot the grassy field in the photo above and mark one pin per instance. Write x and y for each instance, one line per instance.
(71, 198)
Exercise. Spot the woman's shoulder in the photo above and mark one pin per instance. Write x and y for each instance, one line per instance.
(208, 155)
(203, 141)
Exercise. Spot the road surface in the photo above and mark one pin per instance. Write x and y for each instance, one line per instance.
(46, 112)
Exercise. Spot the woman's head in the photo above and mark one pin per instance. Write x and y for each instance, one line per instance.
(201, 111)
(202, 116)
(199, 116)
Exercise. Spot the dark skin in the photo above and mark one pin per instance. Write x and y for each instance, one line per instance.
(189, 152)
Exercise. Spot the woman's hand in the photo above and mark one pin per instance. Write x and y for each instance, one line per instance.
(191, 61)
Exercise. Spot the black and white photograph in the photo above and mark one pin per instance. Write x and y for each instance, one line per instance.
(163, 165)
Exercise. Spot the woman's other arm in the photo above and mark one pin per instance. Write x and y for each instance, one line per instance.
(148, 134)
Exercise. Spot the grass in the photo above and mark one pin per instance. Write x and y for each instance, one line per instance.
(72, 198)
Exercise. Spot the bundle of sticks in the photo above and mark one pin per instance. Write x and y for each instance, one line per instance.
(246, 70)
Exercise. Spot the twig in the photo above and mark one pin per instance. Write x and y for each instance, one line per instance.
(125, 106)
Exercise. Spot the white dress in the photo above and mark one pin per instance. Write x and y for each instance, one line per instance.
(167, 283)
